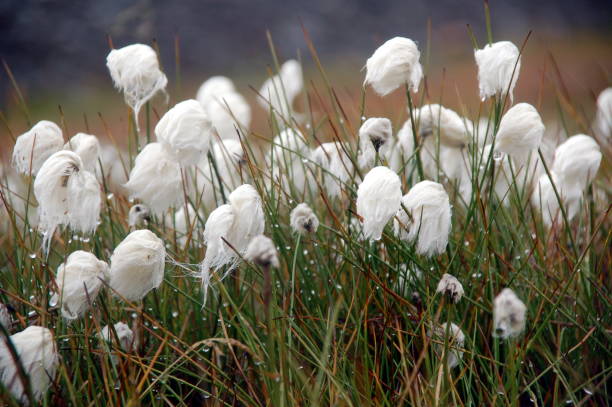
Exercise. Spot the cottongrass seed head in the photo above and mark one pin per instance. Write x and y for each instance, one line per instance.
(336, 166)
(236, 222)
(444, 123)
(425, 216)
(67, 195)
(520, 131)
(278, 93)
(37, 352)
(87, 147)
(286, 159)
(378, 199)
(508, 315)
(451, 287)
(394, 64)
(227, 109)
(138, 215)
(453, 338)
(79, 281)
(127, 339)
(135, 71)
(577, 161)
(35, 146)
(303, 220)
(186, 130)
(137, 265)
(156, 178)
(603, 117)
(544, 198)
(499, 65)
(214, 87)
(261, 251)
(374, 137)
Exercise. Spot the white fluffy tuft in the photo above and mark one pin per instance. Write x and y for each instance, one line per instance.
(278, 93)
(425, 216)
(135, 71)
(336, 165)
(67, 195)
(496, 68)
(79, 281)
(237, 223)
(508, 315)
(137, 265)
(35, 146)
(394, 64)
(186, 131)
(39, 358)
(87, 147)
(378, 199)
(228, 110)
(520, 131)
(156, 178)
(286, 160)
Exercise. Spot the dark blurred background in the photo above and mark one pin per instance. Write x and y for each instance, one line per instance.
(60, 46)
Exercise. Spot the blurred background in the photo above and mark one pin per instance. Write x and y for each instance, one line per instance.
(57, 49)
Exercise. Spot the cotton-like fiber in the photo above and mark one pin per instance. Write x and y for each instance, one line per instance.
(156, 178)
(186, 130)
(135, 72)
(499, 65)
(425, 216)
(336, 166)
(236, 223)
(87, 147)
(35, 146)
(286, 157)
(137, 265)
(67, 195)
(508, 315)
(79, 281)
(378, 199)
(39, 358)
(520, 131)
(394, 64)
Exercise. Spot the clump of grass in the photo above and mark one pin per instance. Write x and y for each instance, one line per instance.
(342, 321)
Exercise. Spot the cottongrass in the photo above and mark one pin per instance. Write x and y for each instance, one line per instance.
(318, 314)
